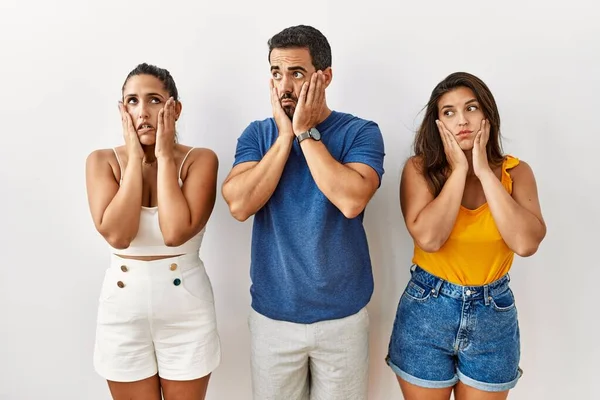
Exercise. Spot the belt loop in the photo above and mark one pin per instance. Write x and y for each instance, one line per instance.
(486, 294)
(438, 285)
(508, 277)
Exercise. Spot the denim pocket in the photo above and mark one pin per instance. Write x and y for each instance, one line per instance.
(414, 291)
(505, 301)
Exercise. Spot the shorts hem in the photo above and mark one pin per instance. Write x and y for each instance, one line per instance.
(489, 387)
(188, 376)
(421, 382)
(126, 376)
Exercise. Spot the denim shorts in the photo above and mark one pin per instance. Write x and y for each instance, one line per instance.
(445, 332)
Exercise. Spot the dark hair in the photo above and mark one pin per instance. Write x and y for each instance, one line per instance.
(428, 145)
(303, 36)
(160, 73)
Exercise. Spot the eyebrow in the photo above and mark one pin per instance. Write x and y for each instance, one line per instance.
(147, 95)
(293, 68)
(468, 102)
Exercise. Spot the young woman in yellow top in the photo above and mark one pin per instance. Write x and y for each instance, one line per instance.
(469, 209)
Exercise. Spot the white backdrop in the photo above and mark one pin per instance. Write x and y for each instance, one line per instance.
(62, 66)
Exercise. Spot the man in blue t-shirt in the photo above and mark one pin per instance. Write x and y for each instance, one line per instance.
(306, 175)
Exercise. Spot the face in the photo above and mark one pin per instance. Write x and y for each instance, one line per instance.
(143, 97)
(290, 68)
(460, 111)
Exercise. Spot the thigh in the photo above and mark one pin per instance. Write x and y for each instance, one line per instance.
(339, 363)
(490, 362)
(145, 389)
(185, 390)
(422, 344)
(414, 392)
(279, 359)
(464, 392)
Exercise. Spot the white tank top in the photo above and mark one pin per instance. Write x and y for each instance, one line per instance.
(149, 240)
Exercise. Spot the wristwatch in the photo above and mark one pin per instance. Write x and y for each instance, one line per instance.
(312, 133)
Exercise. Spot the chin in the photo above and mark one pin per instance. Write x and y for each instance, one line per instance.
(289, 112)
(146, 140)
(467, 146)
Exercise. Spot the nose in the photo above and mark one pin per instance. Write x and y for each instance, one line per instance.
(285, 86)
(142, 110)
(462, 119)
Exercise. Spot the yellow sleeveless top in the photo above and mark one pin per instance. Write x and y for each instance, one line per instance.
(475, 253)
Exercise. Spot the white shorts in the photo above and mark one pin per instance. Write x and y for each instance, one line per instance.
(156, 317)
(326, 360)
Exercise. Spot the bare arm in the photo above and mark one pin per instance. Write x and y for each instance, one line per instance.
(251, 184)
(184, 211)
(518, 217)
(430, 220)
(115, 210)
(348, 186)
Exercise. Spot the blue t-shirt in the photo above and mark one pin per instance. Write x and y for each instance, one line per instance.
(309, 262)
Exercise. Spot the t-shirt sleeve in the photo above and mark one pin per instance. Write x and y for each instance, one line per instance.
(248, 146)
(368, 148)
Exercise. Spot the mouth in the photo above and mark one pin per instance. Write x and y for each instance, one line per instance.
(144, 128)
(288, 102)
(464, 133)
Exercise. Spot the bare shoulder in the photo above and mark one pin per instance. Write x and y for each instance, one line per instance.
(413, 166)
(521, 171)
(199, 159)
(200, 155)
(100, 156)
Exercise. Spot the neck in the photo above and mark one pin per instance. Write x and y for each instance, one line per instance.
(469, 155)
(149, 155)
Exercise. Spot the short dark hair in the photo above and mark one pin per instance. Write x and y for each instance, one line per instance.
(303, 36)
(160, 73)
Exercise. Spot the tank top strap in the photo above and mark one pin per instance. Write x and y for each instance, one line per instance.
(183, 162)
(508, 163)
(120, 165)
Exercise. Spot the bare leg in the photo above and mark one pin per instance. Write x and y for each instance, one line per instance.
(185, 390)
(145, 389)
(464, 392)
(413, 392)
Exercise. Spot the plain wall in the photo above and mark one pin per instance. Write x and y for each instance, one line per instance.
(62, 66)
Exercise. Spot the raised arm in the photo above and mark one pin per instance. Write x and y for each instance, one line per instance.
(184, 211)
(517, 216)
(115, 210)
(251, 183)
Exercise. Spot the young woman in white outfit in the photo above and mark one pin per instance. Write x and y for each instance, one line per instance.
(151, 199)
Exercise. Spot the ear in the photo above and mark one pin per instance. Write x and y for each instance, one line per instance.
(178, 108)
(328, 74)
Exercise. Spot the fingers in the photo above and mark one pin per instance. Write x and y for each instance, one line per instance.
(486, 132)
(443, 133)
(161, 122)
(302, 99)
(312, 89)
(320, 90)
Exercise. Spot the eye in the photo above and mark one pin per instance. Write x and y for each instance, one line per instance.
(276, 75)
(472, 108)
(298, 75)
(132, 100)
(155, 100)
(448, 113)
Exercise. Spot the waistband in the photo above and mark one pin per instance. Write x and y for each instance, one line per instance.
(156, 268)
(439, 285)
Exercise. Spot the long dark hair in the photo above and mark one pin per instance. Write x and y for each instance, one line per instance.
(428, 146)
